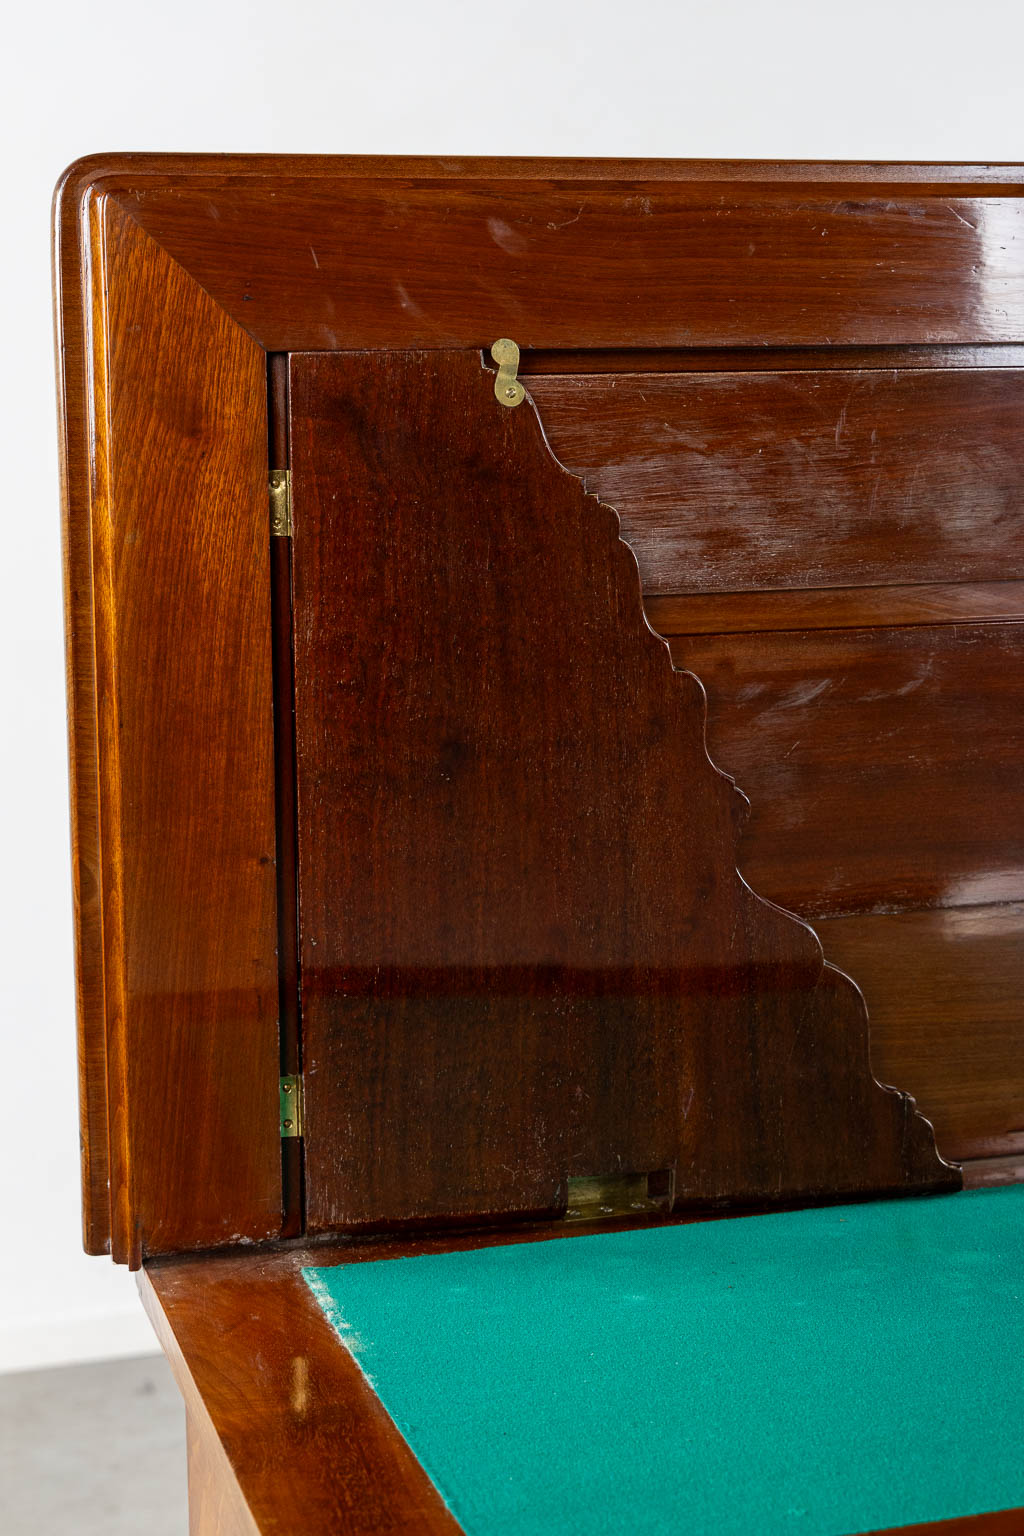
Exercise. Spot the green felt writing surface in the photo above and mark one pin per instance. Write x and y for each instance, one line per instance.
(824, 1371)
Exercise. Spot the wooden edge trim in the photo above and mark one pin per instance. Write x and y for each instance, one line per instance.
(71, 311)
(124, 170)
(308, 1442)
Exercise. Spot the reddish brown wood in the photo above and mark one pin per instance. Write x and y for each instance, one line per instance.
(645, 267)
(169, 602)
(740, 482)
(289, 1430)
(719, 613)
(525, 953)
(323, 252)
(884, 766)
(944, 990)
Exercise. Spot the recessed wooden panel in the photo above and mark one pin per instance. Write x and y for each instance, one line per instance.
(526, 955)
(945, 995)
(885, 767)
(178, 614)
(741, 482)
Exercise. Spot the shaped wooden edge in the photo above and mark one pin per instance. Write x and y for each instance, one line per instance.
(105, 203)
(285, 1433)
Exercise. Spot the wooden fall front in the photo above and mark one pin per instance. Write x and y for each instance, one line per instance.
(431, 804)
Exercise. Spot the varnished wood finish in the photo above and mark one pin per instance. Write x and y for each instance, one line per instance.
(887, 607)
(170, 606)
(321, 253)
(734, 482)
(884, 767)
(507, 977)
(305, 1445)
(944, 991)
(261, 1369)
(576, 294)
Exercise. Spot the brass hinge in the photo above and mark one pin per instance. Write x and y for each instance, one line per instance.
(291, 1105)
(281, 503)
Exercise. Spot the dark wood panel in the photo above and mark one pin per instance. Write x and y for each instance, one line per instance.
(740, 482)
(185, 743)
(884, 767)
(326, 253)
(835, 608)
(945, 996)
(525, 951)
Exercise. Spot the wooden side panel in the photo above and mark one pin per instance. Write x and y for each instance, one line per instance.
(741, 482)
(945, 996)
(526, 954)
(185, 743)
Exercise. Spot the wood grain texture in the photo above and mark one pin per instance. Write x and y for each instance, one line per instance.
(718, 613)
(525, 952)
(72, 335)
(420, 252)
(305, 1446)
(183, 744)
(216, 1504)
(944, 991)
(255, 1358)
(884, 766)
(744, 482)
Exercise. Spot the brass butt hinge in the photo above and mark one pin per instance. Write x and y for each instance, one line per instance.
(291, 1105)
(281, 503)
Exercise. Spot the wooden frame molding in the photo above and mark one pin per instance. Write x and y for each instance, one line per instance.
(206, 263)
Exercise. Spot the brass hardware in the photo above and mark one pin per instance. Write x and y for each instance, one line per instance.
(281, 503)
(507, 387)
(291, 1106)
(620, 1194)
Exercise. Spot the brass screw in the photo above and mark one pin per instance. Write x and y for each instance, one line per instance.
(287, 1125)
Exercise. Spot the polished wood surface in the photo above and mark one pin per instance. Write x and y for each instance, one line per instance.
(888, 607)
(730, 482)
(944, 991)
(884, 767)
(169, 606)
(525, 954)
(308, 252)
(305, 1445)
(834, 551)
(650, 278)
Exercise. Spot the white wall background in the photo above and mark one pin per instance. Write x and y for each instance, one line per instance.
(903, 79)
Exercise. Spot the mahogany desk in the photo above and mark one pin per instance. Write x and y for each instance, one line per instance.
(507, 784)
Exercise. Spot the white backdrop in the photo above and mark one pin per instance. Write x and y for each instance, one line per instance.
(904, 79)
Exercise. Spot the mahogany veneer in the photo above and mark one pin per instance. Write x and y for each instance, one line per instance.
(799, 386)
